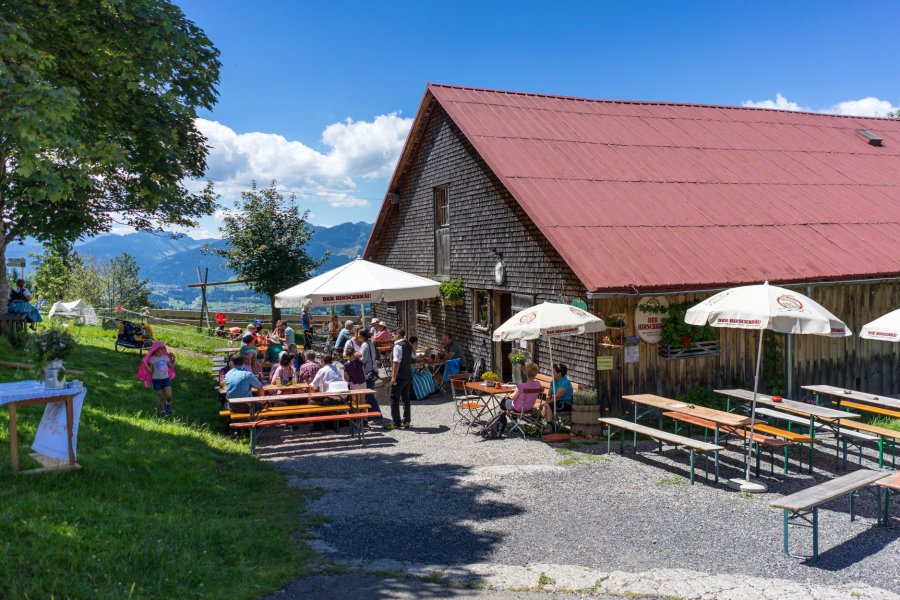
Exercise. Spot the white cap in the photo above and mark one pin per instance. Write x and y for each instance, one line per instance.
(375, 321)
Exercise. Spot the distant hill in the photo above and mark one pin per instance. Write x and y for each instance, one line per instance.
(171, 262)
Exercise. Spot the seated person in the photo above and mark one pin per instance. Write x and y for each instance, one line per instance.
(451, 351)
(381, 335)
(309, 369)
(238, 383)
(251, 364)
(525, 397)
(327, 374)
(563, 391)
(20, 302)
(345, 334)
(283, 373)
(229, 365)
(297, 358)
(248, 341)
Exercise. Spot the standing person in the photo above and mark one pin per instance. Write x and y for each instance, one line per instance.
(334, 329)
(401, 381)
(158, 369)
(355, 344)
(288, 334)
(238, 383)
(306, 325)
(368, 355)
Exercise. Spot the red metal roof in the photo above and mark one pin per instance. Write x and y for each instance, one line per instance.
(667, 196)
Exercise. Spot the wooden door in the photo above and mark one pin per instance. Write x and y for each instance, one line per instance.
(501, 309)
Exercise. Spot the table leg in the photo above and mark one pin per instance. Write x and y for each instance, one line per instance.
(70, 425)
(13, 438)
(812, 434)
(815, 528)
(786, 521)
(837, 437)
(716, 442)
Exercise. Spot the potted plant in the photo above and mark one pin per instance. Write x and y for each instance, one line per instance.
(452, 292)
(517, 359)
(48, 350)
(490, 379)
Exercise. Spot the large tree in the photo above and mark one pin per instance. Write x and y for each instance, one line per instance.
(267, 238)
(98, 100)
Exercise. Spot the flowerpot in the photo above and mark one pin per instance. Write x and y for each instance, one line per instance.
(54, 375)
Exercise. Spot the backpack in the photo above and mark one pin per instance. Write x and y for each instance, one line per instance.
(493, 430)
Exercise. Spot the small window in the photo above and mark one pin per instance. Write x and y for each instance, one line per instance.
(423, 310)
(441, 231)
(521, 302)
(481, 302)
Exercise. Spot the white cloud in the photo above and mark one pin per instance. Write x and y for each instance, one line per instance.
(864, 107)
(356, 149)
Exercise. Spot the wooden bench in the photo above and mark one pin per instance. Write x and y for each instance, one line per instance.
(759, 439)
(356, 429)
(807, 502)
(663, 436)
(882, 433)
(546, 382)
(877, 410)
(891, 487)
(13, 323)
(297, 409)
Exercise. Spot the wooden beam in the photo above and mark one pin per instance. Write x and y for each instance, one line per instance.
(215, 283)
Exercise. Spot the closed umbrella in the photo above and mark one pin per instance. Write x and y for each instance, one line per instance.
(886, 328)
(763, 307)
(549, 319)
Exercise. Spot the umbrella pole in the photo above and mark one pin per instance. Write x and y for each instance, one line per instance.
(753, 405)
(552, 387)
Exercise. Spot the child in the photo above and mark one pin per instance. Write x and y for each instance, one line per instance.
(158, 369)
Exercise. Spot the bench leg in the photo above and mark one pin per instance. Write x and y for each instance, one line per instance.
(887, 506)
(844, 443)
(716, 442)
(757, 459)
(692, 467)
(880, 452)
(786, 521)
(853, 505)
(815, 526)
(786, 458)
(253, 433)
(812, 434)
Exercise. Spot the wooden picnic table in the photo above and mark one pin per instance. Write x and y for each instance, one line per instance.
(891, 487)
(843, 393)
(828, 416)
(275, 387)
(662, 404)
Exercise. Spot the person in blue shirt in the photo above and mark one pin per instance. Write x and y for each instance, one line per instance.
(563, 387)
(288, 334)
(239, 383)
(345, 334)
(307, 328)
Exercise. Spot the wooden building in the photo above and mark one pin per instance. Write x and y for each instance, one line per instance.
(614, 202)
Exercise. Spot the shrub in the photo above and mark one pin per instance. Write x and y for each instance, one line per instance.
(453, 289)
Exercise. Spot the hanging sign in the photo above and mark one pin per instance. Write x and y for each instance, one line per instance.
(15, 262)
(604, 363)
(648, 325)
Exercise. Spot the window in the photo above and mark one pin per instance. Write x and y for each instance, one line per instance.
(423, 310)
(441, 231)
(481, 302)
(521, 302)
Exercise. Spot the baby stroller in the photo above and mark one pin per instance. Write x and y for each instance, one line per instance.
(134, 335)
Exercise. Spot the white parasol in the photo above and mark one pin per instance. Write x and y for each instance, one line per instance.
(358, 282)
(763, 307)
(548, 319)
(886, 328)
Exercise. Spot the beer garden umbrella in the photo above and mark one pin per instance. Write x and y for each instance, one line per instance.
(549, 319)
(762, 307)
(886, 328)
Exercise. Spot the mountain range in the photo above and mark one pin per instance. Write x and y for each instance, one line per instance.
(171, 262)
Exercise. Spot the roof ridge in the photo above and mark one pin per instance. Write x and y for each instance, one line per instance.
(649, 102)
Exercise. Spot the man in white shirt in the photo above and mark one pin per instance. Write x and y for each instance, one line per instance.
(327, 374)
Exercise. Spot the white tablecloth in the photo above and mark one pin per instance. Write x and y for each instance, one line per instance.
(50, 439)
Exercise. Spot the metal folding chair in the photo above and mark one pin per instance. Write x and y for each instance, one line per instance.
(531, 418)
(470, 408)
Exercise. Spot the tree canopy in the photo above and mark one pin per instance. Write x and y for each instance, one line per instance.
(267, 238)
(98, 101)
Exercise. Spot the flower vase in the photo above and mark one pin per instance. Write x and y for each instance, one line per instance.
(54, 375)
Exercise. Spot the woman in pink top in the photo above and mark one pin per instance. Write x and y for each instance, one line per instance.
(525, 396)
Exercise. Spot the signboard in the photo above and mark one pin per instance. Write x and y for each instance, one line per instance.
(632, 350)
(604, 363)
(15, 262)
(649, 325)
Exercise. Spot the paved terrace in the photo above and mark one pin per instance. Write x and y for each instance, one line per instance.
(430, 512)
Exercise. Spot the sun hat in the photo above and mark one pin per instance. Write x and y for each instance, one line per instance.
(375, 321)
(348, 323)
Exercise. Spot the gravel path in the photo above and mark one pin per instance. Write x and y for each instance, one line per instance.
(497, 514)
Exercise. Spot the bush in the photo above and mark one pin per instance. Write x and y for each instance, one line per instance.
(453, 289)
(585, 397)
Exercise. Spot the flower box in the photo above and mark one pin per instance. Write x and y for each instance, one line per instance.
(457, 302)
(697, 349)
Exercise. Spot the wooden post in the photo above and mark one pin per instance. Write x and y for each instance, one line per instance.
(204, 310)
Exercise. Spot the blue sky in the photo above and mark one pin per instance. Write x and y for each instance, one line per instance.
(321, 95)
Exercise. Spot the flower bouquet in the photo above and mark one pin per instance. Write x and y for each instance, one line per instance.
(490, 379)
(47, 351)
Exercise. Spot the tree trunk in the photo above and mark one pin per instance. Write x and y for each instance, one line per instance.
(276, 312)
(4, 281)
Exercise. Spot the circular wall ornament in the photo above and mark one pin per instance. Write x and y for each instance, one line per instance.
(649, 325)
(500, 273)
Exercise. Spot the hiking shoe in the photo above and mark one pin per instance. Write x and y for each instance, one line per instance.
(169, 410)
(390, 426)
(405, 425)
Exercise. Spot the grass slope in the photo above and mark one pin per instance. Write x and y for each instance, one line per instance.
(160, 509)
